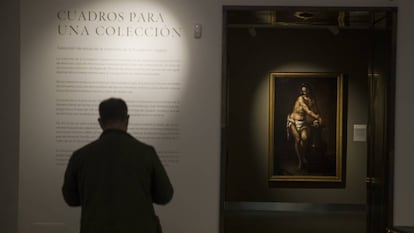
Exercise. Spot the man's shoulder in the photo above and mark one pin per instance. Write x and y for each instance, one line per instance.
(86, 147)
(127, 141)
(136, 142)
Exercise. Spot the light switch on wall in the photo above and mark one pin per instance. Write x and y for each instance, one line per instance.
(197, 31)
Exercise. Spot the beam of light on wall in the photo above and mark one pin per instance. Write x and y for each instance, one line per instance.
(144, 39)
(135, 50)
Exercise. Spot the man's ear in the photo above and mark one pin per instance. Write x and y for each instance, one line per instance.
(100, 123)
(127, 121)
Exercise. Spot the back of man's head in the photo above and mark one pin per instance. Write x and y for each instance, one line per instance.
(113, 110)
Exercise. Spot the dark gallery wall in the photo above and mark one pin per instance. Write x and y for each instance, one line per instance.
(250, 58)
(9, 117)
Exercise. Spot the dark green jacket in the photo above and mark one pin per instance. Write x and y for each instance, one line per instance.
(116, 179)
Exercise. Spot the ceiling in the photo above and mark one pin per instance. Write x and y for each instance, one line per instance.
(306, 18)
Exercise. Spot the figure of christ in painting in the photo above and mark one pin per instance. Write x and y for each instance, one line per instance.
(300, 122)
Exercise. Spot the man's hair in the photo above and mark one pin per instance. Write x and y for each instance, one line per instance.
(113, 109)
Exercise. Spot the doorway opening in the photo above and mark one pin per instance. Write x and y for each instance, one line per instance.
(356, 44)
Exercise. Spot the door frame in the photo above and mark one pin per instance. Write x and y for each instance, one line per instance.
(385, 219)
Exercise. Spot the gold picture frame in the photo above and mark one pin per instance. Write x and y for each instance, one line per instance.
(306, 129)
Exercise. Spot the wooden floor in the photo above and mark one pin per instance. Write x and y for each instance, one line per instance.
(248, 221)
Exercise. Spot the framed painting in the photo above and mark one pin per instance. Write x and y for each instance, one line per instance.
(306, 129)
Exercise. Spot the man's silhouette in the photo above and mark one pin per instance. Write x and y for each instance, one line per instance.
(116, 179)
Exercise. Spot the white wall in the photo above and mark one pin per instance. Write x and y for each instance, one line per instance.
(404, 159)
(194, 88)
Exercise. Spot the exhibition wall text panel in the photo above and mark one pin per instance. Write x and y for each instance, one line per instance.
(74, 55)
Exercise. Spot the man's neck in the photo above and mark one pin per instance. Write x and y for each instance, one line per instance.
(115, 126)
